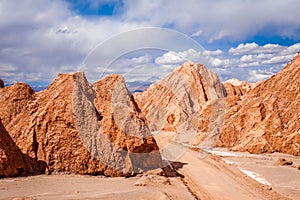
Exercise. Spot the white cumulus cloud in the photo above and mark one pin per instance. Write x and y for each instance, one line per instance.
(41, 38)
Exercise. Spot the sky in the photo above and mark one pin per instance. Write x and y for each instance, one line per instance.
(247, 39)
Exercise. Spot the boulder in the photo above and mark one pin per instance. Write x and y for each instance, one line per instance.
(283, 162)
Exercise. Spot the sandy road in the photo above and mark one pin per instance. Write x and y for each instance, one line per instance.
(211, 178)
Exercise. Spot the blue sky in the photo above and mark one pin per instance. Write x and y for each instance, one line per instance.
(248, 40)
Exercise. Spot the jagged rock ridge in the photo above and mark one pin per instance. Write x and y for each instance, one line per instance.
(12, 161)
(61, 127)
(266, 119)
(189, 101)
(124, 125)
(235, 90)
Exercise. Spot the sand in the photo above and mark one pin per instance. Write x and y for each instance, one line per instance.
(224, 175)
(264, 168)
(92, 187)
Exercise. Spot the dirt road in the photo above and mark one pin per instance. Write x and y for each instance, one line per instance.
(211, 178)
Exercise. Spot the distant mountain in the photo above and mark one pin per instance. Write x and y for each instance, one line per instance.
(39, 88)
(137, 86)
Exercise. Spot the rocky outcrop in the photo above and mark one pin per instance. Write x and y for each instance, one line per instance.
(235, 89)
(266, 119)
(126, 131)
(42, 126)
(190, 101)
(12, 161)
(62, 127)
(1, 84)
(17, 105)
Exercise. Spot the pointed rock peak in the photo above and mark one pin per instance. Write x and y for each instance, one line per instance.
(235, 90)
(113, 88)
(74, 129)
(177, 102)
(234, 82)
(112, 79)
(125, 128)
(69, 77)
(190, 66)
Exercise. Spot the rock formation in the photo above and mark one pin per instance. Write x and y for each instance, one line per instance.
(124, 126)
(190, 101)
(266, 119)
(62, 127)
(235, 89)
(17, 105)
(283, 162)
(12, 161)
(75, 127)
(1, 84)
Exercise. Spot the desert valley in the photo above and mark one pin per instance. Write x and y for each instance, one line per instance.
(187, 136)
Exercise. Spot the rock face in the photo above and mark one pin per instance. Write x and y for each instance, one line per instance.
(235, 89)
(187, 101)
(12, 161)
(266, 119)
(62, 127)
(124, 126)
(11, 158)
(18, 103)
(1, 84)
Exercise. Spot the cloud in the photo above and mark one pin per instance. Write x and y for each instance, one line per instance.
(139, 68)
(291, 49)
(254, 48)
(177, 58)
(170, 58)
(279, 59)
(243, 48)
(41, 38)
(250, 62)
(219, 19)
(268, 54)
(197, 33)
(217, 52)
(260, 62)
(254, 76)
